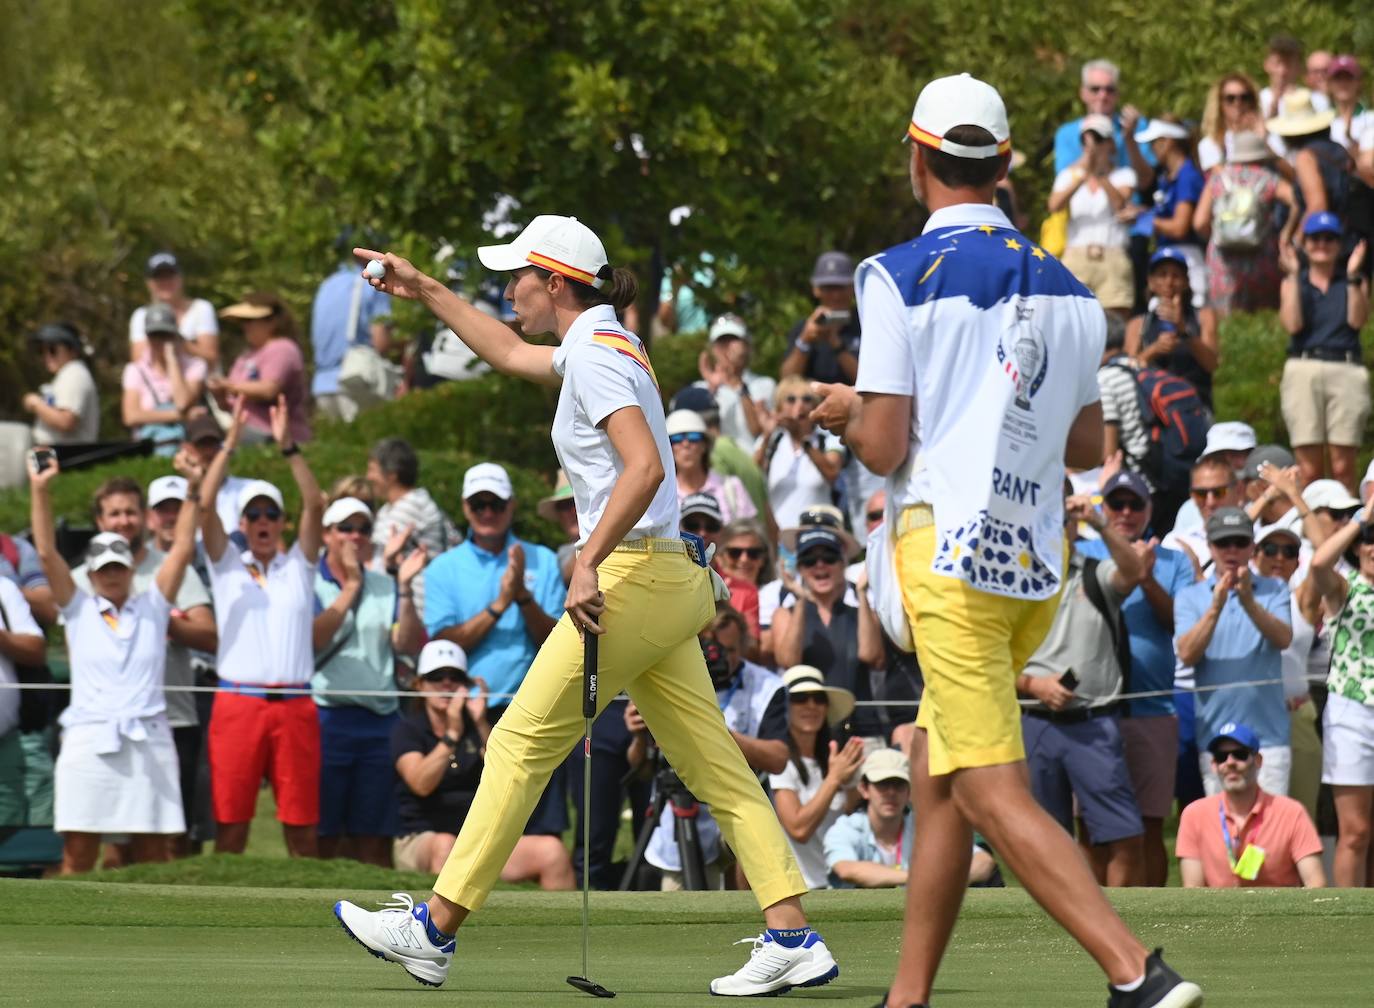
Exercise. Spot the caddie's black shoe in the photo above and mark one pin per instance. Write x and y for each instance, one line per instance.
(1162, 988)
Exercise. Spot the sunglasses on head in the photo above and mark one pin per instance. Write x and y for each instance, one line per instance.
(697, 525)
(362, 527)
(1206, 493)
(120, 548)
(740, 552)
(1288, 552)
(270, 513)
(1241, 754)
(480, 504)
(691, 437)
(1232, 542)
(1125, 502)
(809, 400)
(818, 557)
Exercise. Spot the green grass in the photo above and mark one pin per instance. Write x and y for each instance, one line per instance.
(89, 942)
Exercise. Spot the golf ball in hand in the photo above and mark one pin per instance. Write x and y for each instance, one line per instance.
(375, 269)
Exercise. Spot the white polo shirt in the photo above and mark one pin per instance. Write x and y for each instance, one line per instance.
(998, 345)
(264, 625)
(605, 368)
(18, 619)
(117, 657)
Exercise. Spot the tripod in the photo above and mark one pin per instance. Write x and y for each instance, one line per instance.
(669, 790)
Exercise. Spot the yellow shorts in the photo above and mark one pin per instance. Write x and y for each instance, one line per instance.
(971, 646)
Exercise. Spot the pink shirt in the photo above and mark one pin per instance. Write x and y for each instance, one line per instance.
(278, 360)
(154, 388)
(730, 494)
(1277, 823)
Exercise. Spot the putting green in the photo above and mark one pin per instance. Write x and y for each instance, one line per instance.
(106, 944)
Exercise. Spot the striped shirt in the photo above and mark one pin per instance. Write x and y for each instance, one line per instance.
(1121, 406)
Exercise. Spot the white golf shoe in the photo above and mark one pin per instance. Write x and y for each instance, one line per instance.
(395, 934)
(773, 969)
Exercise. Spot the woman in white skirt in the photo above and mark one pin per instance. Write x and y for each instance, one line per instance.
(117, 771)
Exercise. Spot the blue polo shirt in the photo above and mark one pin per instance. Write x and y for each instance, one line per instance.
(1152, 646)
(329, 323)
(1237, 653)
(462, 582)
(1185, 187)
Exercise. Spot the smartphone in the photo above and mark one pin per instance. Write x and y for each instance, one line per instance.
(41, 459)
(837, 317)
(1069, 681)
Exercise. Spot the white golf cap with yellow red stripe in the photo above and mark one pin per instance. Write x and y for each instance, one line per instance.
(961, 100)
(561, 245)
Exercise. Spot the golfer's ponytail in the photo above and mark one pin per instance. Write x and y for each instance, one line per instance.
(620, 290)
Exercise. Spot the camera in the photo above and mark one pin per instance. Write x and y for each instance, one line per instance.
(41, 459)
(717, 662)
(835, 317)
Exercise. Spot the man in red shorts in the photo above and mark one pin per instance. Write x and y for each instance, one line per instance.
(264, 605)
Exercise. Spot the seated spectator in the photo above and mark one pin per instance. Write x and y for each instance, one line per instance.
(743, 398)
(1178, 187)
(393, 469)
(117, 771)
(1176, 333)
(195, 317)
(162, 383)
(363, 620)
(1098, 195)
(271, 367)
(1325, 388)
(800, 461)
(816, 786)
(205, 439)
(65, 410)
(742, 557)
(1244, 836)
(815, 624)
(264, 608)
(1230, 111)
(727, 457)
(347, 312)
(560, 509)
(824, 346)
(1236, 215)
(1348, 720)
(691, 444)
(1231, 628)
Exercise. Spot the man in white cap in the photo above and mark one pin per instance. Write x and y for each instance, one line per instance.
(977, 385)
(264, 722)
(743, 397)
(1231, 441)
(825, 344)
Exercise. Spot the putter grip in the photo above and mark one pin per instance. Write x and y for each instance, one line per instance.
(589, 640)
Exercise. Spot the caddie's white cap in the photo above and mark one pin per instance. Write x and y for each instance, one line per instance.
(166, 488)
(343, 509)
(559, 244)
(259, 488)
(1229, 435)
(1160, 129)
(487, 477)
(961, 100)
(441, 654)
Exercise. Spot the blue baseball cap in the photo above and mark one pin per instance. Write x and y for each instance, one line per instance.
(1322, 222)
(1238, 733)
(1168, 253)
(1129, 481)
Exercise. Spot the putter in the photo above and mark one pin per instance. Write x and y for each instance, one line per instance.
(589, 713)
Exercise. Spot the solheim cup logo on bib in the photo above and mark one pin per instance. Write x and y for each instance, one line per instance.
(1022, 353)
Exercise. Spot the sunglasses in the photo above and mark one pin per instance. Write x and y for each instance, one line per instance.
(1206, 493)
(740, 552)
(809, 400)
(1274, 549)
(270, 513)
(1322, 237)
(365, 528)
(699, 525)
(809, 697)
(120, 548)
(691, 437)
(818, 557)
(1232, 542)
(1128, 503)
(1238, 98)
(874, 516)
(1102, 89)
(480, 504)
(1240, 754)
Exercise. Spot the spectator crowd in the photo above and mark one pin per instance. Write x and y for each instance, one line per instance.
(1206, 660)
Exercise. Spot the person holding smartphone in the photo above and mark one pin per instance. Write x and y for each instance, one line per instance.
(825, 344)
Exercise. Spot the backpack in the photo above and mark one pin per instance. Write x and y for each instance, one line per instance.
(1116, 622)
(1239, 217)
(1177, 421)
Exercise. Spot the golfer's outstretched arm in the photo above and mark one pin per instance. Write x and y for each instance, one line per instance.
(489, 339)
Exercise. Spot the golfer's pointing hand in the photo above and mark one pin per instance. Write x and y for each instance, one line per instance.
(402, 279)
(837, 403)
(585, 602)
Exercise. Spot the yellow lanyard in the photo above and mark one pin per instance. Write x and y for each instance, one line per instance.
(257, 575)
(111, 619)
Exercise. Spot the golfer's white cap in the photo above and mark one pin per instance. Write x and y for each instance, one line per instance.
(343, 509)
(440, 654)
(961, 100)
(559, 244)
(259, 488)
(166, 488)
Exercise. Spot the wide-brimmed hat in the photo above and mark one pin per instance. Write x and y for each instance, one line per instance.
(1298, 115)
(827, 516)
(809, 679)
(562, 490)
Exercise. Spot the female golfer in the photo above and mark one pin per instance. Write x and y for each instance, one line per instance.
(633, 582)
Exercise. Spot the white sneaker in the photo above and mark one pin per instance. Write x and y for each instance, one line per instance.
(773, 969)
(395, 934)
